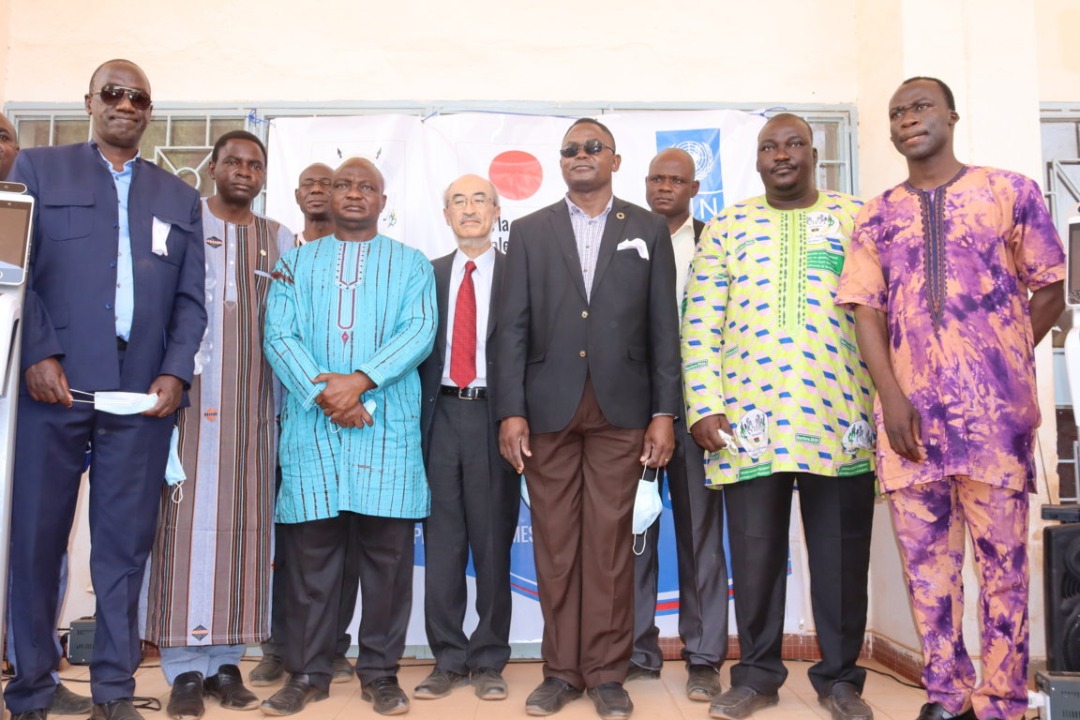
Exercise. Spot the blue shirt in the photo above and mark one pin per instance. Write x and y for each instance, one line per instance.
(124, 304)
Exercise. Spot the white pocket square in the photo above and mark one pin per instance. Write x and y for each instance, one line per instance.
(158, 236)
(635, 244)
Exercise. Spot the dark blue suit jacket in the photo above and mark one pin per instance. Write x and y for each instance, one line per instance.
(71, 287)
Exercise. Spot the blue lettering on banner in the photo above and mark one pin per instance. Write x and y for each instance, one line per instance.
(704, 146)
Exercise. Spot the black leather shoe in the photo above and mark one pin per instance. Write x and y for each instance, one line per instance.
(186, 697)
(550, 696)
(269, 670)
(936, 711)
(228, 687)
(65, 702)
(438, 684)
(341, 670)
(844, 702)
(489, 684)
(740, 701)
(122, 709)
(637, 672)
(702, 682)
(611, 701)
(39, 714)
(297, 692)
(386, 695)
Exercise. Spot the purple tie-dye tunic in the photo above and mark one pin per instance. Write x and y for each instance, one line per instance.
(952, 268)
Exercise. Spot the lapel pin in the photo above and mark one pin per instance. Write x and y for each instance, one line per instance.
(621, 216)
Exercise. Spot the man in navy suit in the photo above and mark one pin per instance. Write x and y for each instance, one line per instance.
(475, 496)
(588, 373)
(114, 301)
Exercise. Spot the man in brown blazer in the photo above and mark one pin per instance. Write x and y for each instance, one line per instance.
(588, 377)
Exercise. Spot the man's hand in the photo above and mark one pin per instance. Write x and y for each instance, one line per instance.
(47, 383)
(514, 441)
(356, 417)
(170, 391)
(706, 432)
(903, 426)
(342, 392)
(659, 442)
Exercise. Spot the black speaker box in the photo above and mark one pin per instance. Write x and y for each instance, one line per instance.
(1061, 545)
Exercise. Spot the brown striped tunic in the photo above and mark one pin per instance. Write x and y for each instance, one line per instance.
(209, 575)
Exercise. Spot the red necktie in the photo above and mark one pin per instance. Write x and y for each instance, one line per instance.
(463, 346)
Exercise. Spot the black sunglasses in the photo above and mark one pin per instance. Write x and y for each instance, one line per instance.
(592, 147)
(113, 94)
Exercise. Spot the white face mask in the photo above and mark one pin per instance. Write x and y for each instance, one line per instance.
(647, 506)
(117, 402)
(174, 469)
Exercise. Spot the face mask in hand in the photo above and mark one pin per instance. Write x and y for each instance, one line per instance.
(647, 507)
(116, 402)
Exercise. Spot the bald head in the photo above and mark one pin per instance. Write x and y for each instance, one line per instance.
(313, 192)
(96, 79)
(357, 199)
(670, 185)
(9, 147)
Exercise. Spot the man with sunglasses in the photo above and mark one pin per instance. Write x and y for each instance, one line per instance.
(474, 493)
(588, 379)
(103, 217)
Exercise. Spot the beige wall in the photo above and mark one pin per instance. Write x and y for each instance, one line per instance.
(1002, 58)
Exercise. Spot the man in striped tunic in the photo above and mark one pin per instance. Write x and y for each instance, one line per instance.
(349, 318)
(209, 587)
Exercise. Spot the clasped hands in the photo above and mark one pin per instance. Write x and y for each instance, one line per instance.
(341, 399)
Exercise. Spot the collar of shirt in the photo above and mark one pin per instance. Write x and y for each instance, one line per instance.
(485, 263)
(574, 209)
(127, 165)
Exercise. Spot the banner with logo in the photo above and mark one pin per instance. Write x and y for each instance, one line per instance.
(519, 154)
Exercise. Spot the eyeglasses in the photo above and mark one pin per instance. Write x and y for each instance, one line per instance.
(661, 179)
(113, 94)
(592, 147)
(478, 200)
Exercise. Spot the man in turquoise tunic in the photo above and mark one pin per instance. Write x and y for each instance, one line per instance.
(350, 317)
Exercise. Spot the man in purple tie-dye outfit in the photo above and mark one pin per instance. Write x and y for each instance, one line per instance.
(939, 272)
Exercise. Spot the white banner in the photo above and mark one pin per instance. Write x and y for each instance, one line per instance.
(519, 153)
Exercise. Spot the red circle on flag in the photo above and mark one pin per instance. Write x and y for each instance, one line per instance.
(516, 174)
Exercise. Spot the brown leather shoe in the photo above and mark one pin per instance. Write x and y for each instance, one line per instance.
(186, 697)
(228, 687)
(297, 692)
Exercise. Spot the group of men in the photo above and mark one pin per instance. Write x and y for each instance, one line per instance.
(407, 390)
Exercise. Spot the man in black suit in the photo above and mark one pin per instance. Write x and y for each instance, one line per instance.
(697, 511)
(474, 493)
(588, 390)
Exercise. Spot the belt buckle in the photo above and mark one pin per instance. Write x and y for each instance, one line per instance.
(466, 393)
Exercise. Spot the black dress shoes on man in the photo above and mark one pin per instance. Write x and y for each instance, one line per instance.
(297, 692)
(186, 697)
(269, 670)
(702, 682)
(550, 696)
(122, 709)
(844, 702)
(611, 701)
(386, 695)
(936, 711)
(65, 702)
(228, 687)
